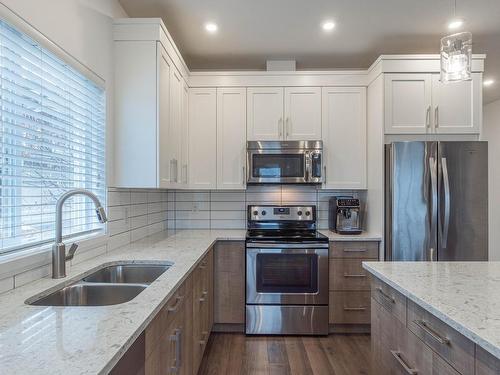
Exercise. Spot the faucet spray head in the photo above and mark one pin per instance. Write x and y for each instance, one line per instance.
(101, 214)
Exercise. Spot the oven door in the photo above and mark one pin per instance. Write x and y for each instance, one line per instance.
(287, 274)
(277, 166)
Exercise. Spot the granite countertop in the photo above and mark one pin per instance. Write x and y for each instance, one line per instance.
(465, 295)
(90, 340)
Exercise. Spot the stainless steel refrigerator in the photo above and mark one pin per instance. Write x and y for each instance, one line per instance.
(436, 201)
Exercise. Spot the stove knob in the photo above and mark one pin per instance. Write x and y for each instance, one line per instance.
(263, 213)
(308, 213)
(255, 213)
(299, 213)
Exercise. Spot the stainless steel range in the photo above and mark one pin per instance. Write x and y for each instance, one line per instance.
(286, 272)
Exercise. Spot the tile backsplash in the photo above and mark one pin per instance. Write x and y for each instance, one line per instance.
(217, 209)
(136, 213)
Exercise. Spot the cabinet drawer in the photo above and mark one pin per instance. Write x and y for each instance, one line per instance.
(486, 364)
(444, 340)
(173, 308)
(354, 249)
(390, 299)
(348, 274)
(349, 307)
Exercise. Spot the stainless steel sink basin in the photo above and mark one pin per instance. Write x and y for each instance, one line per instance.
(91, 295)
(109, 285)
(128, 274)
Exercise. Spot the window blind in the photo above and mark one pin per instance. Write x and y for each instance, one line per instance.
(52, 140)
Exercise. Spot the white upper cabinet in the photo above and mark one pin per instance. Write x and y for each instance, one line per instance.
(276, 113)
(143, 72)
(420, 104)
(302, 113)
(231, 138)
(344, 137)
(264, 113)
(202, 130)
(165, 155)
(407, 103)
(457, 105)
(184, 136)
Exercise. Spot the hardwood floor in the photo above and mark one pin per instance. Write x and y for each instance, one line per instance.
(230, 353)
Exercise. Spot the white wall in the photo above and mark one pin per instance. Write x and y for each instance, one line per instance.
(83, 28)
(491, 133)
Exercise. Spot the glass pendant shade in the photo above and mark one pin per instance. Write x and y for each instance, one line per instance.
(456, 57)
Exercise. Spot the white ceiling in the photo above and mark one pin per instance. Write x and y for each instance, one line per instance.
(253, 31)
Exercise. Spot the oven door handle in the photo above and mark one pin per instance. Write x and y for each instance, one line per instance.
(273, 245)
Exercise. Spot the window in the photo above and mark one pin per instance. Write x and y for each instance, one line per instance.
(52, 135)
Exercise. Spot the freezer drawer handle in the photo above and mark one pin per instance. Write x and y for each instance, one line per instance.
(355, 250)
(385, 295)
(405, 367)
(431, 332)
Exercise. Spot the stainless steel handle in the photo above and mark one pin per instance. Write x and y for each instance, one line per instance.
(177, 304)
(354, 275)
(203, 294)
(436, 117)
(428, 117)
(429, 330)
(280, 126)
(176, 170)
(176, 338)
(385, 295)
(273, 245)
(171, 175)
(203, 340)
(324, 172)
(433, 170)
(185, 168)
(71, 251)
(361, 308)
(447, 202)
(244, 176)
(403, 364)
(355, 250)
(287, 127)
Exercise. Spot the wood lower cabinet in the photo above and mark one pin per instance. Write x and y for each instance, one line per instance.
(417, 342)
(229, 279)
(349, 285)
(176, 338)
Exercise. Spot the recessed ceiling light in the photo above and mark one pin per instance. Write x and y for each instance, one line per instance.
(488, 82)
(211, 27)
(456, 23)
(328, 25)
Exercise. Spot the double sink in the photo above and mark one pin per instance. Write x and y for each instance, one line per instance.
(108, 285)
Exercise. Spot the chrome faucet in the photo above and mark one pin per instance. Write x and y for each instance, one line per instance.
(59, 256)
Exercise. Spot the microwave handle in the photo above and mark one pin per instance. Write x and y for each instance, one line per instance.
(308, 166)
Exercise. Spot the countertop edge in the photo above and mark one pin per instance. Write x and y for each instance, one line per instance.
(486, 345)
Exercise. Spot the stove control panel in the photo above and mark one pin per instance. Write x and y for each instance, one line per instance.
(281, 213)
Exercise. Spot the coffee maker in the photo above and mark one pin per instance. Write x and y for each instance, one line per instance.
(344, 215)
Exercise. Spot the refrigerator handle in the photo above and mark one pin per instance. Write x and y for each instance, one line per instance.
(446, 224)
(433, 170)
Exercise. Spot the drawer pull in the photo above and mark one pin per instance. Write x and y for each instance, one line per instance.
(203, 264)
(361, 308)
(203, 340)
(202, 298)
(176, 306)
(355, 250)
(400, 360)
(385, 295)
(425, 326)
(354, 275)
(176, 338)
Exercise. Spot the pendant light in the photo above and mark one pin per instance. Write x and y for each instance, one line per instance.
(456, 53)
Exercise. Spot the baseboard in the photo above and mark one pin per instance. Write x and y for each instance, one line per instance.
(349, 328)
(229, 327)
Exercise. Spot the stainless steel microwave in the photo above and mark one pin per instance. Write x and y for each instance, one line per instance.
(284, 162)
